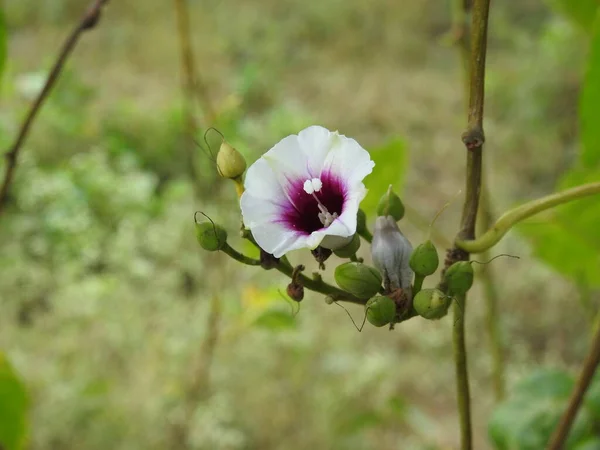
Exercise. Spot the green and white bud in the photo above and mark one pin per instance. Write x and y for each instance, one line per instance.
(391, 254)
(359, 279)
(391, 205)
(210, 236)
(380, 311)
(431, 303)
(230, 162)
(424, 259)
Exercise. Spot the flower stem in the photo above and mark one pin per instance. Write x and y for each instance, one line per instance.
(418, 284)
(227, 249)
(462, 376)
(366, 235)
(585, 378)
(516, 215)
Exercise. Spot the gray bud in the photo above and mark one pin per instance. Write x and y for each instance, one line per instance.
(391, 254)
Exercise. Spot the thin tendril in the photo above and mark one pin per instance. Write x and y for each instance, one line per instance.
(353, 322)
(497, 256)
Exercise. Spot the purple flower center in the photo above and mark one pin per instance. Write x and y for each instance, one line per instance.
(302, 214)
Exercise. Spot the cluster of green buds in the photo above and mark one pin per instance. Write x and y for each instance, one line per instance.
(391, 291)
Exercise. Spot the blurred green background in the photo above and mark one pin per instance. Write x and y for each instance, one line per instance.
(124, 334)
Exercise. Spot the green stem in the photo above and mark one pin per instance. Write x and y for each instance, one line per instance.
(418, 284)
(366, 235)
(462, 377)
(516, 215)
(353, 258)
(227, 249)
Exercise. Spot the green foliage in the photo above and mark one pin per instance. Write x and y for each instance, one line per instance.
(567, 239)
(13, 408)
(3, 43)
(390, 164)
(526, 420)
(581, 12)
(590, 103)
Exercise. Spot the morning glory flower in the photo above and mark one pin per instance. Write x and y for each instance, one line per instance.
(305, 192)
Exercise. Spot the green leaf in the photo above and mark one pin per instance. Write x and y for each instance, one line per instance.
(567, 239)
(589, 107)
(581, 12)
(390, 166)
(590, 444)
(3, 43)
(276, 320)
(13, 408)
(527, 419)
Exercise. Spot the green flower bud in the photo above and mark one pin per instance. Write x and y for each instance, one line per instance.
(211, 237)
(361, 221)
(459, 278)
(350, 249)
(391, 205)
(380, 310)
(424, 259)
(230, 162)
(358, 279)
(431, 303)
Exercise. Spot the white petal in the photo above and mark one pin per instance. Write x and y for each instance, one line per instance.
(256, 211)
(316, 143)
(348, 160)
(277, 240)
(261, 182)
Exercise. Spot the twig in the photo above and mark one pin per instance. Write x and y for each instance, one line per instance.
(585, 378)
(473, 139)
(509, 219)
(87, 22)
(460, 38)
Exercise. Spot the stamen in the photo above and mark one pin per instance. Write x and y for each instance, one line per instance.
(310, 187)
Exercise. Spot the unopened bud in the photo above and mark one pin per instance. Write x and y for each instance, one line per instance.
(391, 205)
(431, 303)
(230, 162)
(350, 249)
(380, 310)
(424, 259)
(391, 254)
(358, 279)
(210, 236)
(321, 254)
(267, 260)
(329, 300)
(459, 278)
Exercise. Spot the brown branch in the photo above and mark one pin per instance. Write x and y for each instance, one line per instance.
(87, 22)
(473, 139)
(585, 378)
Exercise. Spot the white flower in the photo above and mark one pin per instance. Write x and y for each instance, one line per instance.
(305, 191)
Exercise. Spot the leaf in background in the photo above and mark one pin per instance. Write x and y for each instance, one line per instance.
(589, 111)
(568, 239)
(3, 43)
(390, 165)
(581, 12)
(527, 419)
(13, 408)
(590, 444)
(276, 320)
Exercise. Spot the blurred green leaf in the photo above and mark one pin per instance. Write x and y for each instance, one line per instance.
(390, 165)
(581, 12)
(527, 419)
(13, 408)
(568, 240)
(590, 444)
(590, 102)
(3, 43)
(276, 319)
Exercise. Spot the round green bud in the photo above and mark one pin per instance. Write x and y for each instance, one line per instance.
(424, 260)
(329, 300)
(459, 278)
(380, 310)
(230, 162)
(211, 237)
(359, 279)
(361, 221)
(431, 303)
(391, 205)
(350, 249)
